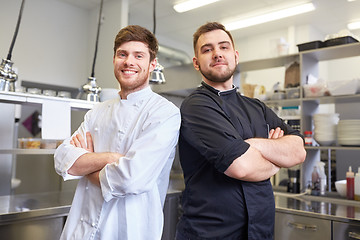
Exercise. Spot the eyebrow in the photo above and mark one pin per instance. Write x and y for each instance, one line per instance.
(125, 51)
(210, 44)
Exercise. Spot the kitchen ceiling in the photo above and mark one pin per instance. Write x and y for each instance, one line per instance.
(330, 16)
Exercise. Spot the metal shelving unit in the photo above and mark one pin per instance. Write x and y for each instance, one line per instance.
(27, 151)
(309, 61)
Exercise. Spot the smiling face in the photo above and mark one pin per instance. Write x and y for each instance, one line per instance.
(216, 59)
(132, 67)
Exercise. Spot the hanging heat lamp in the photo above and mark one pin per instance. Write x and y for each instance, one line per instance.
(8, 76)
(157, 75)
(91, 88)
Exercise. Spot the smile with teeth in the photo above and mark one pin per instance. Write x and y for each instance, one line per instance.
(128, 71)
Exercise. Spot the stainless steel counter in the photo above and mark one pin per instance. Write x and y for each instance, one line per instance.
(42, 216)
(48, 204)
(47, 211)
(26, 206)
(330, 208)
(30, 206)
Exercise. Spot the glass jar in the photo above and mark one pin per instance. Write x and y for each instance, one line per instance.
(308, 138)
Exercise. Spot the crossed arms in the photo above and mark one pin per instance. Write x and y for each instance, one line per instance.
(91, 163)
(265, 157)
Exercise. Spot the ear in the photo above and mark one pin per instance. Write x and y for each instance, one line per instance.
(236, 57)
(152, 65)
(196, 63)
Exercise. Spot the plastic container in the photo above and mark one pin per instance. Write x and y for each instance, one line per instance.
(314, 90)
(340, 41)
(37, 143)
(48, 144)
(322, 176)
(292, 93)
(310, 45)
(48, 92)
(350, 184)
(34, 91)
(29, 143)
(64, 94)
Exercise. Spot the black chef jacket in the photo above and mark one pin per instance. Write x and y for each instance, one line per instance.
(213, 129)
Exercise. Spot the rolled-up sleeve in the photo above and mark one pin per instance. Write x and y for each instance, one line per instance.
(66, 154)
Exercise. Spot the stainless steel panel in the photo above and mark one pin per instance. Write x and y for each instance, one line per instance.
(7, 123)
(345, 231)
(40, 229)
(295, 227)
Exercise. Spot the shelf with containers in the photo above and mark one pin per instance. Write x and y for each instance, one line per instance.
(309, 65)
(24, 99)
(32, 164)
(308, 106)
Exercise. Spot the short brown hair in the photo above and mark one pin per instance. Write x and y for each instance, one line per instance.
(208, 27)
(140, 34)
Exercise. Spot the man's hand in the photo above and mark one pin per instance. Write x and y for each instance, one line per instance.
(276, 133)
(79, 141)
(91, 163)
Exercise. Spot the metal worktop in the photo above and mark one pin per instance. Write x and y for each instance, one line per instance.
(50, 204)
(41, 205)
(330, 207)
(30, 206)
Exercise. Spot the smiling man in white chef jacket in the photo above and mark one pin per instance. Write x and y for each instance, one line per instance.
(122, 152)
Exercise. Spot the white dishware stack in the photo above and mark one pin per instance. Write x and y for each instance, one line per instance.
(348, 132)
(325, 125)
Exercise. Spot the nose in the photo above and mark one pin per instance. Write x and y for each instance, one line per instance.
(217, 54)
(128, 61)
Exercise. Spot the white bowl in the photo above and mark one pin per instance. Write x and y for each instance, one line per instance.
(325, 142)
(341, 187)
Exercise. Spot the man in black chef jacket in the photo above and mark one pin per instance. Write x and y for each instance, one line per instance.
(226, 150)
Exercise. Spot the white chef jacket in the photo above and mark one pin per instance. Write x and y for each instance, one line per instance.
(129, 204)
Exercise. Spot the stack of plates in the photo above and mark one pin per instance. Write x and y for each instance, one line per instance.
(348, 132)
(325, 128)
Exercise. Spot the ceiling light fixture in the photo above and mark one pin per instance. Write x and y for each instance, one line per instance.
(91, 88)
(192, 4)
(271, 16)
(8, 76)
(354, 25)
(157, 75)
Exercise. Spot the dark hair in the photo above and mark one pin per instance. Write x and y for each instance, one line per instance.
(208, 27)
(137, 33)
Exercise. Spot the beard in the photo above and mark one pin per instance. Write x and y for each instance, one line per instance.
(218, 77)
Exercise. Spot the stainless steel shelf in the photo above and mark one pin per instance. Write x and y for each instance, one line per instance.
(334, 52)
(261, 64)
(334, 99)
(333, 147)
(284, 102)
(28, 151)
(26, 98)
